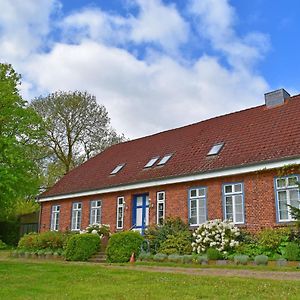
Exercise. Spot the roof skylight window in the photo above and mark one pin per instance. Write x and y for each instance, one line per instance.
(215, 149)
(151, 162)
(117, 169)
(165, 159)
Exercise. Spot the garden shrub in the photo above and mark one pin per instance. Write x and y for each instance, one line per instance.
(213, 254)
(3, 246)
(101, 229)
(122, 244)
(261, 260)
(273, 241)
(82, 246)
(157, 234)
(292, 251)
(10, 232)
(241, 259)
(217, 234)
(145, 256)
(52, 240)
(179, 243)
(187, 259)
(160, 257)
(281, 262)
(175, 258)
(202, 259)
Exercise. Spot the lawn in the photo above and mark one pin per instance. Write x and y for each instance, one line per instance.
(60, 280)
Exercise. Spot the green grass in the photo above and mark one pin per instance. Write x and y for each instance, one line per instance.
(60, 280)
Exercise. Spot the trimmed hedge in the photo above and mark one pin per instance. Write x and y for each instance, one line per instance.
(52, 240)
(122, 244)
(82, 246)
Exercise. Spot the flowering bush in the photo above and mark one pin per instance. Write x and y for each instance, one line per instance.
(100, 229)
(217, 234)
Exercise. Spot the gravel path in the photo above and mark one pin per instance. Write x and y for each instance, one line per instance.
(276, 275)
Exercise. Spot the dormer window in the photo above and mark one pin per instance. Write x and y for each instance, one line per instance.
(151, 162)
(164, 160)
(215, 149)
(117, 169)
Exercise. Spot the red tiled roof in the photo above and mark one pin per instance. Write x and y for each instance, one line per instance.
(251, 136)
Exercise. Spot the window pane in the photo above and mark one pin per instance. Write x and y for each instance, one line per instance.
(228, 189)
(193, 193)
(201, 192)
(193, 212)
(238, 188)
(139, 201)
(281, 182)
(120, 201)
(283, 214)
(161, 196)
(292, 181)
(239, 218)
(238, 200)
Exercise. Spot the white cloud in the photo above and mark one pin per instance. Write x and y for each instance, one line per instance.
(146, 95)
(216, 20)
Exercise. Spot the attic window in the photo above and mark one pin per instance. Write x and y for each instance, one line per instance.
(165, 159)
(117, 169)
(215, 149)
(151, 162)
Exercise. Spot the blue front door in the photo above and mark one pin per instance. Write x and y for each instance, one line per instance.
(140, 215)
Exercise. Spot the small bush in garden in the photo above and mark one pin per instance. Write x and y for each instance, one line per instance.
(241, 259)
(261, 260)
(281, 262)
(41, 253)
(101, 229)
(187, 259)
(157, 234)
(82, 246)
(160, 257)
(3, 246)
(292, 251)
(145, 256)
(179, 243)
(175, 258)
(202, 259)
(122, 244)
(213, 254)
(217, 234)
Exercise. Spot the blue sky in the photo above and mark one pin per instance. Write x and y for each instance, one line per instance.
(154, 64)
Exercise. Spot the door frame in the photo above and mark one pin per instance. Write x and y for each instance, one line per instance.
(144, 207)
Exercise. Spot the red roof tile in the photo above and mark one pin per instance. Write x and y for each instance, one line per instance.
(253, 135)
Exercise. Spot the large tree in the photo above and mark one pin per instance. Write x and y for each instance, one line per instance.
(76, 127)
(20, 130)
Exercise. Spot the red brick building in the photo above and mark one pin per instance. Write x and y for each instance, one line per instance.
(228, 167)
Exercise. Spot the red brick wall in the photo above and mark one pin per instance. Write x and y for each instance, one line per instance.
(259, 200)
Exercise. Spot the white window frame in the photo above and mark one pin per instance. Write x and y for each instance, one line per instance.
(55, 214)
(120, 210)
(95, 207)
(198, 198)
(76, 216)
(160, 200)
(286, 188)
(234, 194)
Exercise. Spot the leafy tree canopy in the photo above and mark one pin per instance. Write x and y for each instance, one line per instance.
(76, 127)
(20, 130)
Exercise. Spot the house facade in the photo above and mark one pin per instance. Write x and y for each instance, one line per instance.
(241, 166)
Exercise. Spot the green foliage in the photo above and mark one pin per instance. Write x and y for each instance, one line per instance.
(122, 244)
(46, 240)
(188, 259)
(261, 260)
(241, 259)
(9, 232)
(180, 243)
(2, 245)
(101, 229)
(292, 251)
(80, 247)
(271, 239)
(175, 258)
(145, 256)
(157, 234)
(213, 254)
(202, 259)
(20, 130)
(160, 257)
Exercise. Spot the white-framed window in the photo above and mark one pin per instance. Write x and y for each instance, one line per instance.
(76, 216)
(160, 207)
(55, 212)
(234, 202)
(95, 212)
(287, 193)
(197, 206)
(120, 212)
